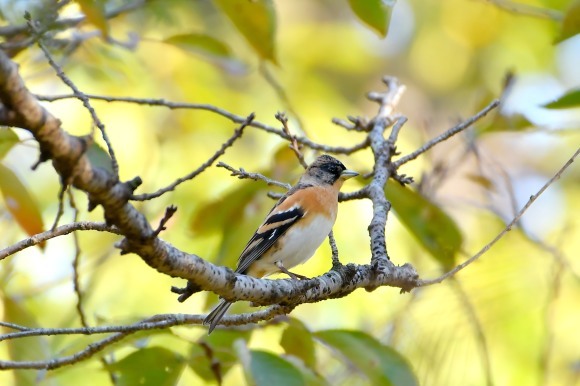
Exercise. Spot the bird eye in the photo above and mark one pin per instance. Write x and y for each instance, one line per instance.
(332, 169)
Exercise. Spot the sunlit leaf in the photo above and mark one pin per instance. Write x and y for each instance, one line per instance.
(94, 10)
(374, 13)
(99, 157)
(211, 357)
(153, 366)
(430, 225)
(571, 22)
(8, 139)
(20, 202)
(297, 340)
(256, 21)
(269, 369)
(380, 363)
(569, 100)
(207, 47)
(27, 349)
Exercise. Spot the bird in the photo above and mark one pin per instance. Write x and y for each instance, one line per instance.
(294, 228)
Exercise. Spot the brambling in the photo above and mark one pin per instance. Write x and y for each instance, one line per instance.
(294, 228)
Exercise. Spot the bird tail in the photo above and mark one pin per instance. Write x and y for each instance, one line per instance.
(214, 317)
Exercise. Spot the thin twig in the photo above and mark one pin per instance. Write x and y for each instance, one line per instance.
(75, 265)
(14, 326)
(292, 138)
(224, 113)
(334, 249)
(356, 195)
(76, 279)
(237, 134)
(60, 209)
(449, 133)
(121, 332)
(241, 174)
(12, 30)
(360, 124)
(58, 231)
(82, 97)
(169, 212)
(533, 198)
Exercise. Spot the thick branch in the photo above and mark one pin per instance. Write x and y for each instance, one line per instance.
(383, 151)
(67, 153)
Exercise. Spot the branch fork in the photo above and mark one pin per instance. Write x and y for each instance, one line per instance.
(20, 108)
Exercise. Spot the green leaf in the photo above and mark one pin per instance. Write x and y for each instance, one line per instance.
(99, 157)
(218, 213)
(310, 375)
(297, 340)
(256, 21)
(380, 363)
(94, 10)
(213, 356)
(8, 139)
(501, 122)
(26, 349)
(432, 227)
(268, 369)
(199, 44)
(207, 47)
(374, 13)
(571, 22)
(569, 100)
(153, 366)
(20, 202)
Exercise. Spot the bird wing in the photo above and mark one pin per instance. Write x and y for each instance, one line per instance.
(275, 225)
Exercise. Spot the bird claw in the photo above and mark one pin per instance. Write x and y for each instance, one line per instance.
(292, 275)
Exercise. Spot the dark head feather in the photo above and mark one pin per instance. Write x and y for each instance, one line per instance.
(325, 169)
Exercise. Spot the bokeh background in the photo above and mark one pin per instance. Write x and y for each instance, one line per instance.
(509, 319)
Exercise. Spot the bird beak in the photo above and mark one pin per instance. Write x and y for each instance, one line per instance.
(346, 174)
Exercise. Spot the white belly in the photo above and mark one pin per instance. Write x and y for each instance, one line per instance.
(299, 246)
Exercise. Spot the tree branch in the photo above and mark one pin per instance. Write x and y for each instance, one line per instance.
(533, 198)
(241, 174)
(83, 98)
(237, 134)
(224, 113)
(446, 135)
(12, 30)
(20, 108)
(58, 231)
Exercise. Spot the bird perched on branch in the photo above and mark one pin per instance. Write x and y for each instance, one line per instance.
(294, 228)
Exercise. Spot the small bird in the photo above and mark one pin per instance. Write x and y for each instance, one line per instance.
(294, 228)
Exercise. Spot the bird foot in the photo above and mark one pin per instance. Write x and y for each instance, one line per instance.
(292, 275)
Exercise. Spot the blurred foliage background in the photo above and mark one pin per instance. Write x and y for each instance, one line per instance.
(509, 319)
